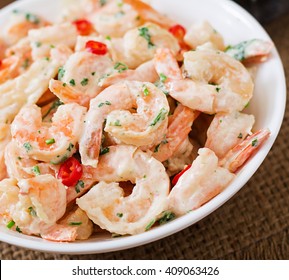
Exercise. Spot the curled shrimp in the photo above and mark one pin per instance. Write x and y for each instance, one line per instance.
(138, 118)
(200, 183)
(20, 166)
(199, 34)
(80, 76)
(147, 13)
(45, 39)
(228, 130)
(41, 202)
(179, 126)
(140, 44)
(239, 154)
(19, 25)
(49, 142)
(105, 203)
(217, 82)
(114, 19)
(252, 51)
(77, 218)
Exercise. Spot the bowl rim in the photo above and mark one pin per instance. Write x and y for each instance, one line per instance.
(109, 245)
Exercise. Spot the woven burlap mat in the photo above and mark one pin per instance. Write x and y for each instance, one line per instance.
(254, 224)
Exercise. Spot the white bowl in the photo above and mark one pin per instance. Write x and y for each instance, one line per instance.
(268, 106)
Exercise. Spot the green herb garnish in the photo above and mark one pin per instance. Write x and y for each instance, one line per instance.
(75, 223)
(84, 82)
(103, 103)
(120, 215)
(144, 32)
(50, 141)
(145, 90)
(32, 212)
(120, 67)
(167, 217)
(61, 72)
(32, 18)
(35, 169)
(72, 82)
(27, 146)
(255, 143)
(163, 77)
(80, 184)
(160, 117)
(104, 151)
(151, 223)
(10, 224)
(240, 136)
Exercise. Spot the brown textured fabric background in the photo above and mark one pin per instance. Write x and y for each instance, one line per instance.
(254, 224)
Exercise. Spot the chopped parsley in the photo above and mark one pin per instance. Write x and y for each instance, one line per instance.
(32, 18)
(10, 224)
(115, 235)
(117, 123)
(144, 32)
(27, 146)
(240, 136)
(167, 217)
(255, 143)
(72, 82)
(160, 117)
(247, 105)
(61, 72)
(163, 77)
(120, 215)
(70, 147)
(32, 212)
(80, 184)
(218, 89)
(104, 151)
(158, 146)
(150, 224)
(75, 223)
(93, 73)
(35, 169)
(120, 67)
(159, 84)
(104, 103)
(18, 229)
(50, 141)
(54, 105)
(120, 4)
(84, 82)
(38, 44)
(145, 90)
(108, 38)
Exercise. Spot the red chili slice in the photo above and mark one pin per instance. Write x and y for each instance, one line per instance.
(83, 26)
(96, 47)
(70, 172)
(177, 177)
(178, 31)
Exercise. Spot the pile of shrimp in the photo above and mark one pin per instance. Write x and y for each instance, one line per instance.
(116, 118)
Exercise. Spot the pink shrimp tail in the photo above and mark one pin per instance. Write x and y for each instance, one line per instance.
(236, 157)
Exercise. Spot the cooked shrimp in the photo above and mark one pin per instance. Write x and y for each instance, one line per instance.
(228, 130)
(25, 89)
(5, 138)
(49, 142)
(144, 73)
(41, 203)
(145, 127)
(19, 25)
(180, 125)
(114, 19)
(105, 203)
(20, 166)
(238, 155)
(218, 83)
(8, 198)
(77, 218)
(199, 34)
(46, 38)
(140, 44)
(80, 76)
(147, 13)
(183, 156)
(200, 183)
(253, 51)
